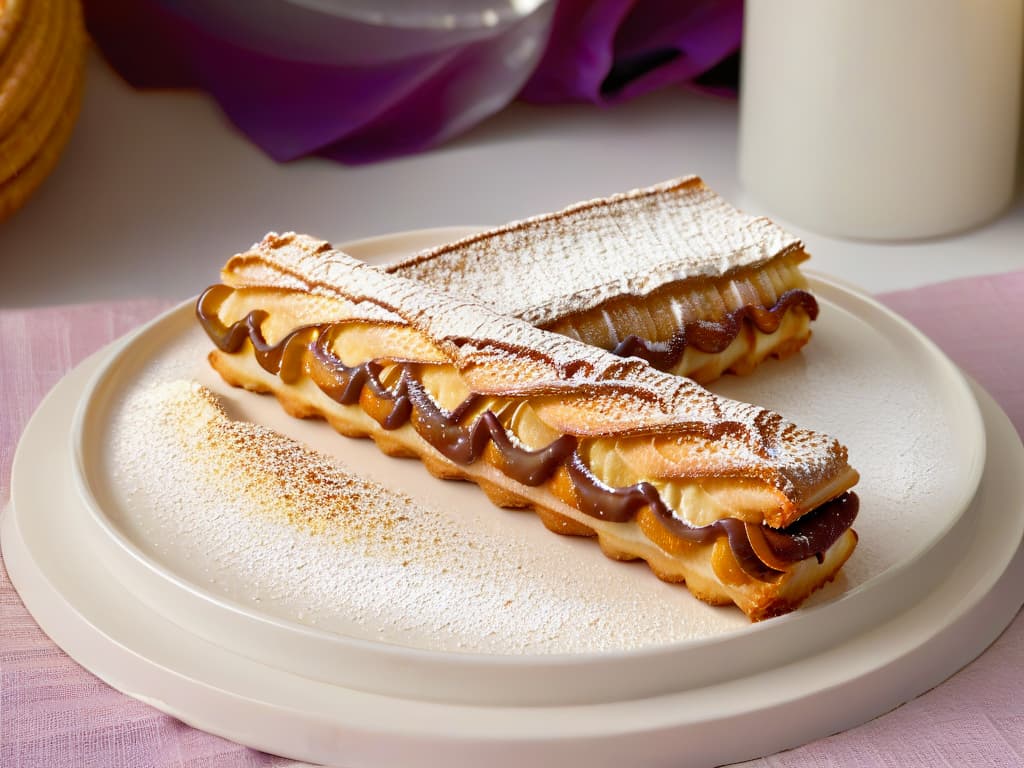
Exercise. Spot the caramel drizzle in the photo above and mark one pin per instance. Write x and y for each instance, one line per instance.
(407, 401)
(714, 336)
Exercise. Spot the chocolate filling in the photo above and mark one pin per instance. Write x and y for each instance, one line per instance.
(406, 401)
(802, 538)
(714, 336)
(812, 534)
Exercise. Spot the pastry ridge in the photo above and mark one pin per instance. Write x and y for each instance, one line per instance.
(478, 341)
(670, 273)
(635, 242)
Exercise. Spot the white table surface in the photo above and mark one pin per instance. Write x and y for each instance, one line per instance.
(156, 189)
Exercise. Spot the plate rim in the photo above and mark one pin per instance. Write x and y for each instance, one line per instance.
(506, 736)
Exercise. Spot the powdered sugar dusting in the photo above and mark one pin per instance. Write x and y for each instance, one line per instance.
(546, 267)
(498, 354)
(269, 523)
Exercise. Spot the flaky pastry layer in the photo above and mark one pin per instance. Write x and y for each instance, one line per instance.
(294, 280)
(670, 273)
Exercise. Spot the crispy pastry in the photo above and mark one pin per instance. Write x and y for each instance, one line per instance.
(728, 497)
(670, 273)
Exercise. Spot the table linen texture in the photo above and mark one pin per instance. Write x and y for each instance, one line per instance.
(54, 713)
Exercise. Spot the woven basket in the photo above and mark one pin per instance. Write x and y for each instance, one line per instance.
(42, 68)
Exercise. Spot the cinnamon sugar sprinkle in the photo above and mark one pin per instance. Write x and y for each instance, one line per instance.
(254, 516)
(284, 482)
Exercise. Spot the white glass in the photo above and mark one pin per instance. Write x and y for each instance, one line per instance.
(885, 119)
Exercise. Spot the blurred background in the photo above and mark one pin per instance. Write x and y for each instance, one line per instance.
(204, 124)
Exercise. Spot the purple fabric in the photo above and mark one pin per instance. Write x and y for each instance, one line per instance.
(383, 92)
(291, 107)
(608, 50)
(55, 713)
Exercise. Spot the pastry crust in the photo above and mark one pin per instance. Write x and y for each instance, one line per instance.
(670, 273)
(652, 465)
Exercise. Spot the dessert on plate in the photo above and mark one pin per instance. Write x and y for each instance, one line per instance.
(729, 498)
(670, 273)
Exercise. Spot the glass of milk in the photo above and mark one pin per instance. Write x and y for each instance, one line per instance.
(881, 119)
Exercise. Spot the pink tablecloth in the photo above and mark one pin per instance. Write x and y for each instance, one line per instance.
(54, 713)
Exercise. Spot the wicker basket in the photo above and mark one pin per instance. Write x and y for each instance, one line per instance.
(42, 67)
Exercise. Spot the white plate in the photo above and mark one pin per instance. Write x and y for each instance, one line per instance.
(132, 645)
(574, 627)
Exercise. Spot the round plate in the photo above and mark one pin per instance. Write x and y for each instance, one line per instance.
(132, 645)
(573, 627)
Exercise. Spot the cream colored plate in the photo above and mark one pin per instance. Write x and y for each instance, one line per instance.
(133, 645)
(536, 618)
(522, 615)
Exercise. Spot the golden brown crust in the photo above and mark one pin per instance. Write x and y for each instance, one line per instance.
(574, 388)
(41, 79)
(703, 327)
(659, 265)
(700, 566)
